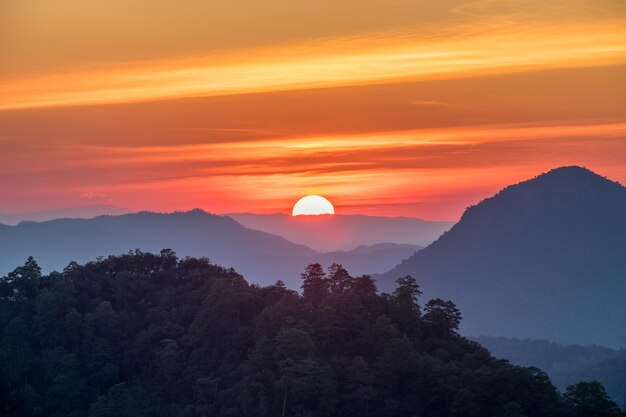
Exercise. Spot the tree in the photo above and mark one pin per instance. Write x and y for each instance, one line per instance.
(407, 292)
(339, 279)
(25, 279)
(15, 352)
(307, 385)
(30, 270)
(404, 308)
(168, 364)
(315, 285)
(168, 259)
(103, 321)
(364, 287)
(442, 318)
(358, 387)
(512, 409)
(589, 399)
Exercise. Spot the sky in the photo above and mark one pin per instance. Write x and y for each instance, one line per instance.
(385, 107)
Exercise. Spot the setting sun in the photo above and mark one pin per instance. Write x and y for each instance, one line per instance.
(312, 205)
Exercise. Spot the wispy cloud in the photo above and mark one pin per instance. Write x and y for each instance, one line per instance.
(371, 58)
(388, 167)
(379, 105)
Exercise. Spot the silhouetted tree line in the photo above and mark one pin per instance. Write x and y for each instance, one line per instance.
(153, 335)
(566, 364)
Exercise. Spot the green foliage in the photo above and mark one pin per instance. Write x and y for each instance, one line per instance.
(154, 335)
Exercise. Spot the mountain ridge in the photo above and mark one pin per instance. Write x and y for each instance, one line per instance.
(345, 231)
(263, 257)
(78, 212)
(531, 252)
(565, 364)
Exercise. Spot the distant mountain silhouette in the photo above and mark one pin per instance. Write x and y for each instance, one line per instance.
(81, 212)
(565, 364)
(261, 257)
(345, 231)
(544, 259)
(369, 259)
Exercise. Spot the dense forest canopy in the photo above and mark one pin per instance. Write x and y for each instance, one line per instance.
(153, 335)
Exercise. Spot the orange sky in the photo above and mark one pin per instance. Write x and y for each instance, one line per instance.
(400, 107)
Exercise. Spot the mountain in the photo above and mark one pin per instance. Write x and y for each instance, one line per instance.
(195, 233)
(263, 257)
(565, 364)
(345, 231)
(82, 212)
(369, 259)
(542, 259)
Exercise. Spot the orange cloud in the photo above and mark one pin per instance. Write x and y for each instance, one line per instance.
(397, 172)
(403, 107)
(367, 59)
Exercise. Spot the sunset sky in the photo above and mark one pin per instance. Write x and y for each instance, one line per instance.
(386, 107)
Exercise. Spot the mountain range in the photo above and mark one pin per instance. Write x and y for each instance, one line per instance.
(80, 212)
(542, 259)
(261, 257)
(345, 231)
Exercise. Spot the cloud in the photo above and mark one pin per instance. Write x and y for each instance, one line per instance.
(384, 172)
(345, 156)
(381, 104)
(371, 58)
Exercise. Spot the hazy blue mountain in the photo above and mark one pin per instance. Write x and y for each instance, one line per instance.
(263, 258)
(369, 259)
(543, 259)
(565, 364)
(345, 231)
(81, 212)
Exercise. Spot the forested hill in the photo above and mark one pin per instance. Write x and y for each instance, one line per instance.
(152, 335)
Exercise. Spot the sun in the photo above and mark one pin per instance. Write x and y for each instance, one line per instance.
(312, 205)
